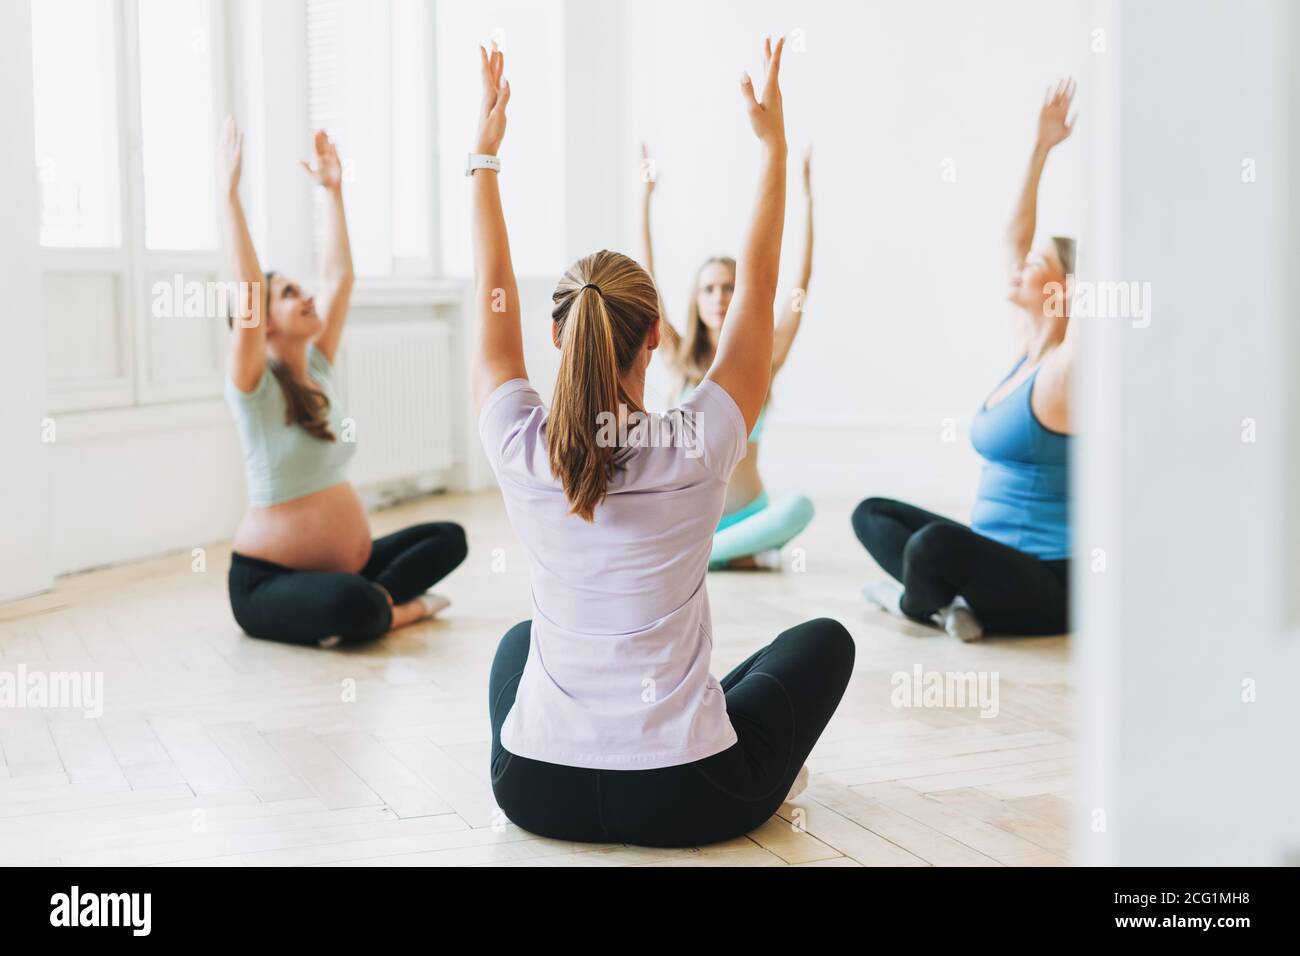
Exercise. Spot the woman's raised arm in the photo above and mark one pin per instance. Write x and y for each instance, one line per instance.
(743, 365)
(1054, 125)
(248, 345)
(787, 327)
(336, 266)
(671, 340)
(498, 354)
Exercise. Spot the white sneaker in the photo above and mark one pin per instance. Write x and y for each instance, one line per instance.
(960, 622)
(800, 784)
(769, 560)
(432, 604)
(885, 595)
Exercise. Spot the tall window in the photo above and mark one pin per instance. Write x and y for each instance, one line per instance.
(370, 82)
(127, 100)
(176, 118)
(75, 85)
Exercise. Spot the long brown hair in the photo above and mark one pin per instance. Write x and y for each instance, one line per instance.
(1067, 250)
(304, 404)
(605, 305)
(695, 353)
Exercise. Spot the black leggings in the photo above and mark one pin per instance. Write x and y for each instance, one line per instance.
(937, 559)
(277, 603)
(779, 701)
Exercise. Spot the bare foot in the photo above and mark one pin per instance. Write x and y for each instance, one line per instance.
(408, 613)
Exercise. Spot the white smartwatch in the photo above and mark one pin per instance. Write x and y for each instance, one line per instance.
(482, 161)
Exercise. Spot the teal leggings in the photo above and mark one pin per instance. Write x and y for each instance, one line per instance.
(759, 526)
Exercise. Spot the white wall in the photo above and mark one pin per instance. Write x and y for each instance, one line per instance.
(596, 77)
(535, 150)
(906, 320)
(141, 482)
(1189, 517)
(24, 500)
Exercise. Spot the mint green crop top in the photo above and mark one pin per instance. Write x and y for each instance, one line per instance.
(755, 434)
(281, 461)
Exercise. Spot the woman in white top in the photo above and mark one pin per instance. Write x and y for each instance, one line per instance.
(607, 725)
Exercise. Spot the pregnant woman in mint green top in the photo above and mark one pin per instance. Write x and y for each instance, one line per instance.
(753, 528)
(304, 569)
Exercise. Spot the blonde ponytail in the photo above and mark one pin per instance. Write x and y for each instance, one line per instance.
(604, 307)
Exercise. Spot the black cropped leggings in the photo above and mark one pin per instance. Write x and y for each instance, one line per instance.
(779, 702)
(277, 603)
(937, 559)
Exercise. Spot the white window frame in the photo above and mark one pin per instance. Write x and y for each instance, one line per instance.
(131, 264)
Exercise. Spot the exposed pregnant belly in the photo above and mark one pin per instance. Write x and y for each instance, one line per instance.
(745, 484)
(323, 531)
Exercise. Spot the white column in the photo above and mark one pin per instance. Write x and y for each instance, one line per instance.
(1185, 654)
(25, 564)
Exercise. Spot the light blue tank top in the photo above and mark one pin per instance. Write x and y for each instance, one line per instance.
(755, 433)
(1023, 499)
(282, 461)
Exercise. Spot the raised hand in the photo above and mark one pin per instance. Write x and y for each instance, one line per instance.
(1054, 120)
(230, 156)
(648, 172)
(766, 116)
(328, 171)
(496, 94)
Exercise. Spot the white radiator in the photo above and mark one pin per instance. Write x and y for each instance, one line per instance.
(397, 394)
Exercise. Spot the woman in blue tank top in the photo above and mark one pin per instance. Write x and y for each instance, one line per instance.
(1008, 572)
(754, 527)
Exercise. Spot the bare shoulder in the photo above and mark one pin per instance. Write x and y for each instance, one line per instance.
(1051, 396)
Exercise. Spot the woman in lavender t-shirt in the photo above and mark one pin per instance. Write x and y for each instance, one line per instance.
(606, 723)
